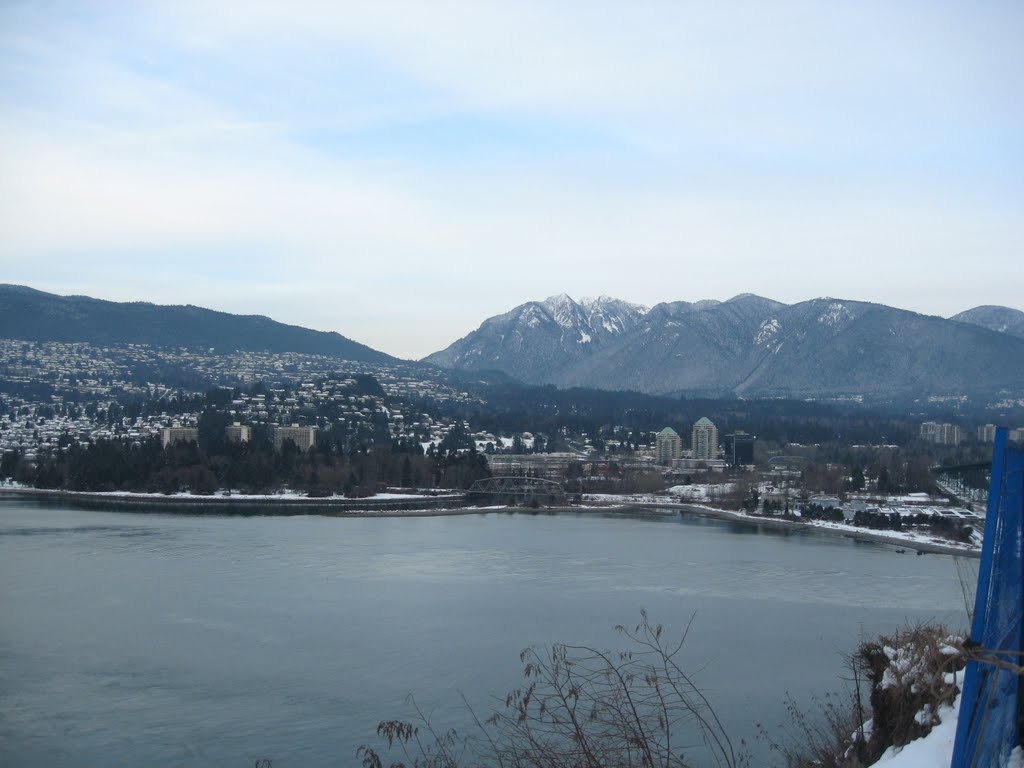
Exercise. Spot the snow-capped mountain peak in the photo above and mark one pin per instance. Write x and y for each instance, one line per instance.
(604, 302)
(748, 345)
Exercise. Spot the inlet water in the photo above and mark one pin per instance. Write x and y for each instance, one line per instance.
(165, 640)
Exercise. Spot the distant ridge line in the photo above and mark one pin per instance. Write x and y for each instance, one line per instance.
(749, 346)
(33, 315)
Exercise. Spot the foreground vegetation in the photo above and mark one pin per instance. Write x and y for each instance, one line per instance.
(581, 707)
(897, 686)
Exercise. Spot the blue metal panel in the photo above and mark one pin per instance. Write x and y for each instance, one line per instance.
(990, 706)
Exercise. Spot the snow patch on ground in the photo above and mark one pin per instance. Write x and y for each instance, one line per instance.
(701, 491)
(675, 497)
(405, 495)
(835, 314)
(237, 496)
(907, 536)
(624, 498)
(769, 329)
(932, 751)
(284, 494)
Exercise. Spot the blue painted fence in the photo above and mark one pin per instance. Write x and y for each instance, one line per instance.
(990, 707)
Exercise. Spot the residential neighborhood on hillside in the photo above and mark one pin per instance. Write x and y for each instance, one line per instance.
(59, 396)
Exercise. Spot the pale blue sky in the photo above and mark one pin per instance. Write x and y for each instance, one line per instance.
(398, 172)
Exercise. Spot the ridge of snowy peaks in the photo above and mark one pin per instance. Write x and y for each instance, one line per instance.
(535, 340)
(747, 345)
(587, 318)
(615, 316)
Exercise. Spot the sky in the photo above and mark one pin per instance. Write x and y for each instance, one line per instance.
(400, 171)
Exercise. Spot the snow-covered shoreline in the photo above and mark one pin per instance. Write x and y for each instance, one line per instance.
(921, 542)
(234, 497)
(397, 504)
(285, 503)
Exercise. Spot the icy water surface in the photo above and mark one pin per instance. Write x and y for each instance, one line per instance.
(166, 640)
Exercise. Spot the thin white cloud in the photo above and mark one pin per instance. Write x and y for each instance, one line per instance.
(280, 159)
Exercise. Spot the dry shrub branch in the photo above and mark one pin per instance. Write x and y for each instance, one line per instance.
(581, 707)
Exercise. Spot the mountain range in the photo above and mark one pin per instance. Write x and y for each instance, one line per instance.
(749, 346)
(32, 315)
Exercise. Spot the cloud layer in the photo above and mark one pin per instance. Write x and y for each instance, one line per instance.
(399, 171)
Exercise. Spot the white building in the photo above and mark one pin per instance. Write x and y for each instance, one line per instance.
(238, 433)
(172, 435)
(303, 437)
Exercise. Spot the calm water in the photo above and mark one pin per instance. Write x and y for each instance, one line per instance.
(160, 640)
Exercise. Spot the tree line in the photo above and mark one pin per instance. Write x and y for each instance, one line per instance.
(254, 467)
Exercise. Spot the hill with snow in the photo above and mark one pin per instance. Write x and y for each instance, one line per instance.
(1001, 319)
(746, 346)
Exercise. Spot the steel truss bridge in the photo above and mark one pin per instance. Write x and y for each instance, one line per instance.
(517, 489)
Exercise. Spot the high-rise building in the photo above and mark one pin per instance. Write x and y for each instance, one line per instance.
(987, 433)
(668, 446)
(739, 448)
(238, 433)
(943, 434)
(704, 439)
(172, 435)
(950, 434)
(303, 437)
